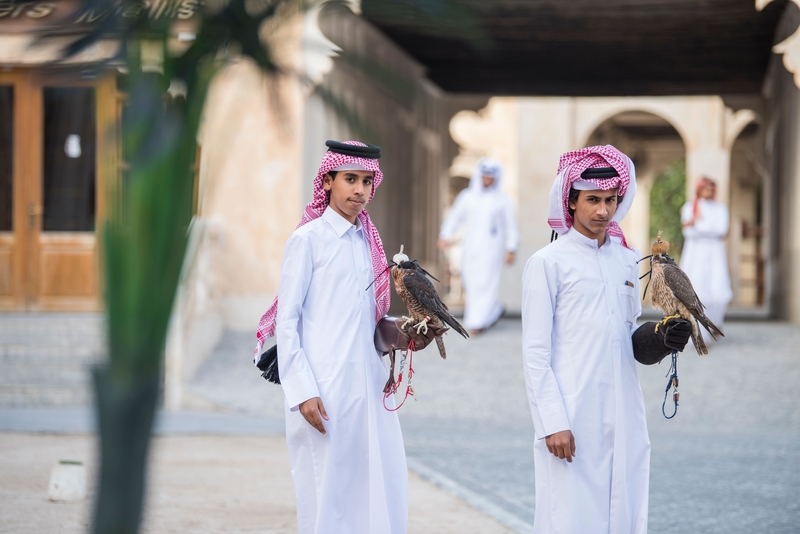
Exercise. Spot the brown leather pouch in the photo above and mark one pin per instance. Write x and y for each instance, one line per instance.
(388, 337)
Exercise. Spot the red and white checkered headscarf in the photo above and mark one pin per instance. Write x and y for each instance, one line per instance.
(332, 160)
(570, 167)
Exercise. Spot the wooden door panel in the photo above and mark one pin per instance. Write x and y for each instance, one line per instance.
(68, 266)
(7, 298)
(14, 241)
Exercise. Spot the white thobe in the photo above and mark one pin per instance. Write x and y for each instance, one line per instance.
(703, 258)
(579, 310)
(490, 230)
(354, 479)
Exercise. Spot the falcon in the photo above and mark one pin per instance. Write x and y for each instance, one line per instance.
(425, 307)
(674, 295)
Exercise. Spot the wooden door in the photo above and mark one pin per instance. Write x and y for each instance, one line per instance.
(63, 130)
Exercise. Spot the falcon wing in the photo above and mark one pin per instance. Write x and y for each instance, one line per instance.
(421, 289)
(681, 287)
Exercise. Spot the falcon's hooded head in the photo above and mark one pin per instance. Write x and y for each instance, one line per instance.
(658, 251)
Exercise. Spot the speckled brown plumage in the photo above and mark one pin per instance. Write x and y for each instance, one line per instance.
(672, 292)
(422, 301)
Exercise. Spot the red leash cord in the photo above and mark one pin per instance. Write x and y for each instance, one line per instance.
(409, 353)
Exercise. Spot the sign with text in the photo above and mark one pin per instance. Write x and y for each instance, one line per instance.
(24, 16)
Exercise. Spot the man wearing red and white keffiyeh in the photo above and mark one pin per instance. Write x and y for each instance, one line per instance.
(345, 450)
(579, 309)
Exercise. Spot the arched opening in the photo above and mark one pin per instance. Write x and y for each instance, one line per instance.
(746, 250)
(659, 154)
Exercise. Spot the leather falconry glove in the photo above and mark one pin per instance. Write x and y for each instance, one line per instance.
(651, 345)
(420, 340)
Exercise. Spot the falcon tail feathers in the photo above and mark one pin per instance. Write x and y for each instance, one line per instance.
(697, 339)
(454, 324)
(699, 344)
(440, 345)
(711, 327)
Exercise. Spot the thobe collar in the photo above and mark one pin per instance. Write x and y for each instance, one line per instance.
(339, 224)
(587, 241)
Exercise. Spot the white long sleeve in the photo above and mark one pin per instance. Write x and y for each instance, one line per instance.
(297, 378)
(539, 293)
(456, 217)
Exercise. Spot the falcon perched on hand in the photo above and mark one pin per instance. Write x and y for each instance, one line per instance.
(423, 303)
(673, 293)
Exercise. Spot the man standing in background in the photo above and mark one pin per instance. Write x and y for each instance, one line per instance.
(705, 224)
(490, 238)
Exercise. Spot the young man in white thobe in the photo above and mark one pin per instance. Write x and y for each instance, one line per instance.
(345, 449)
(579, 307)
(490, 238)
(705, 225)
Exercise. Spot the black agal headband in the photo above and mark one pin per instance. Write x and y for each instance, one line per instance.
(368, 152)
(599, 173)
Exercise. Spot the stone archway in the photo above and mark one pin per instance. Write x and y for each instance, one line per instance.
(747, 249)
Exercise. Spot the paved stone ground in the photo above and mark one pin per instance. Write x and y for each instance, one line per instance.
(728, 463)
(198, 485)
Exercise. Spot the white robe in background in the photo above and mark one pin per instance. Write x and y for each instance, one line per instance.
(490, 230)
(703, 258)
(578, 315)
(354, 479)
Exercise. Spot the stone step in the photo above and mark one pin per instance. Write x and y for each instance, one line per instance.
(71, 374)
(19, 396)
(45, 358)
(39, 354)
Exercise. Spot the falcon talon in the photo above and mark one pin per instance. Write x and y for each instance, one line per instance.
(665, 319)
(422, 325)
(409, 321)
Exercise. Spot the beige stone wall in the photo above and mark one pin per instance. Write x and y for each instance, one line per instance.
(250, 200)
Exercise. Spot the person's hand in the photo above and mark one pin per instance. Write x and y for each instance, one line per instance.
(561, 444)
(510, 256)
(314, 412)
(442, 244)
(689, 223)
(677, 333)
